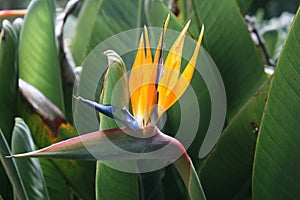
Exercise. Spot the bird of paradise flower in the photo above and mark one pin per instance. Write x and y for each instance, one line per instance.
(154, 86)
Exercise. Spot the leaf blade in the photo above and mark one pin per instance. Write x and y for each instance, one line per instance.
(8, 78)
(108, 179)
(30, 169)
(233, 154)
(8, 92)
(277, 151)
(38, 55)
(11, 169)
(48, 125)
(233, 51)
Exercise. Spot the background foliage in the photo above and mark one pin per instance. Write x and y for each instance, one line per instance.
(258, 58)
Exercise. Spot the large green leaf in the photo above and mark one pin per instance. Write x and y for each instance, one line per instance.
(11, 169)
(8, 78)
(30, 168)
(38, 55)
(124, 185)
(48, 125)
(244, 5)
(85, 26)
(276, 167)
(56, 183)
(105, 18)
(8, 92)
(228, 42)
(228, 168)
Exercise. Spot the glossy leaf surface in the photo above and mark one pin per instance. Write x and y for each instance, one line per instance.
(230, 162)
(38, 55)
(108, 179)
(48, 125)
(30, 168)
(11, 169)
(276, 167)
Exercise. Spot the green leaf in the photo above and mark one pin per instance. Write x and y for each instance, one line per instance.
(56, 184)
(8, 93)
(30, 168)
(276, 167)
(8, 79)
(228, 42)
(11, 169)
(84, 30)
(124, 185)
(17, 25)
(150, 185)
(190, 177)
(106, 18)
(152, 6)
(115, 81)
(228, 168)
(48, 125)
(38, 54)
(244, 5)
(173, 185)
(271, 39)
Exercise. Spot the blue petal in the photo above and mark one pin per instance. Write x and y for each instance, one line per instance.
(109, 110)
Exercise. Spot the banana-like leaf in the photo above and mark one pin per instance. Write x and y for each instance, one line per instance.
(53, 179)
(38, 55)
(8, 78)
(84, 30)
(276, 166)
(30, 168)
(229, 43)
(106, 18)
(230, 162)
(48, 125)
(244, 5)
(158, 20)
(8, 92)
(124, 185)
(11, 169)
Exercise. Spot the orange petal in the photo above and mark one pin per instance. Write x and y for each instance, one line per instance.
(185, 78)
(158, 49)
(143, 103)
(152, 94)
(135, 80)
(172, 66)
